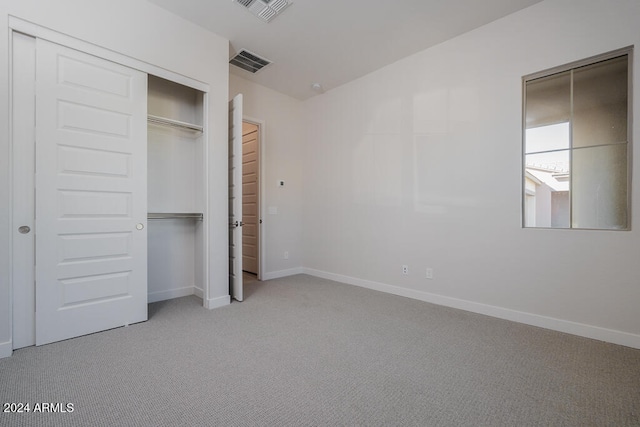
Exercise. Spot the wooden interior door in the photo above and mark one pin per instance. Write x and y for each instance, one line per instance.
(91, 194)
(250, 197)
(235, 197)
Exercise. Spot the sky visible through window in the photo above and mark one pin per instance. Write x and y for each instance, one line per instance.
(546, 138)
(547, 156)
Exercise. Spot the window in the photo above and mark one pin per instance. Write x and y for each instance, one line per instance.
(576, 145)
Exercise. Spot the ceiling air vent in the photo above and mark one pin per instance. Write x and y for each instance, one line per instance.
(249, 61)
(264, 9)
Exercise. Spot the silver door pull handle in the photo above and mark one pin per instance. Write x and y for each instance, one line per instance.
(139, 226)
(25, 229)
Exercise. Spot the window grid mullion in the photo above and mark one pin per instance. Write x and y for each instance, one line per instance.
(571, 150)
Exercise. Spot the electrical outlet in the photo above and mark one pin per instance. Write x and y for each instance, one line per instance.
(429, 274)
(405, 269)
(286, 254)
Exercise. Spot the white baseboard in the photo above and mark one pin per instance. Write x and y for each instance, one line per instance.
(6, 349)
(170, 294)
(560, 325)
(198, 292)
(282, 273)
(217, 302)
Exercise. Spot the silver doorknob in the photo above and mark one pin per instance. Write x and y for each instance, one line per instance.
(139, 226)
(25, 229)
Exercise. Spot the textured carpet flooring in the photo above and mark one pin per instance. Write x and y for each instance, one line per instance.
(303, 351)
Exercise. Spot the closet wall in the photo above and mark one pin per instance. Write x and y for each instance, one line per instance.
(176, 190)
(164, 42)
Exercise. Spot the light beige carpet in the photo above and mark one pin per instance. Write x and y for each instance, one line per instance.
(303, 351)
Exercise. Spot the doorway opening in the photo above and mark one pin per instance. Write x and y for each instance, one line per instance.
(251, 200)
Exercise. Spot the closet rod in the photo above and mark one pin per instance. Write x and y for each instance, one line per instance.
(174, 215)
(173, 123)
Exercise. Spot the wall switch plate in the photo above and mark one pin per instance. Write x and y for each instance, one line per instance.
(286, 254)
(429, 274)
(405, 269)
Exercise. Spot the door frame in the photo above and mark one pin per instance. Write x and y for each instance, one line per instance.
(37, 31)
(22, 206)
(262, 139)
(18, 25)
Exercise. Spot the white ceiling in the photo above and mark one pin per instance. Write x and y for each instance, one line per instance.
(335, 41)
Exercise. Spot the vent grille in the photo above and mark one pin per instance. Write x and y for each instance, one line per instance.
(249, 61)
(267, 14)
(266, 10)
(278, 5)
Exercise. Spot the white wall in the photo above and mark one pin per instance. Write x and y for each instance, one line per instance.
(146, 32)
(283, 147)
(419, 163)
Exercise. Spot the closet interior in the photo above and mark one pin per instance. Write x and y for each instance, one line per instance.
(176, 193)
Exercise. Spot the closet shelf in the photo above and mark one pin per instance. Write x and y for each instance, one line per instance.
(198, 216)
(163, 121)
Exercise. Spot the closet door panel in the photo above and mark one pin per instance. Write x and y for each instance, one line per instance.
(91, 239)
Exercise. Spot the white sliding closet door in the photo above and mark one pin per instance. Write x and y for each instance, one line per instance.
(91, 195)
(235, 197)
